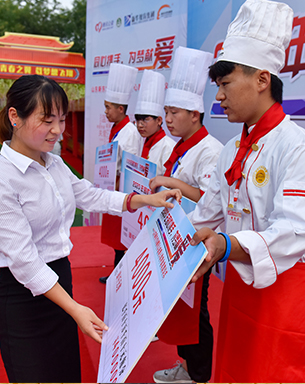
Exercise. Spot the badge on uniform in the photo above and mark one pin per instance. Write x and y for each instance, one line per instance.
(260, 177)
(234, 220)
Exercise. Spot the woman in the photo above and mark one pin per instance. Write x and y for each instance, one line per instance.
(39, 194)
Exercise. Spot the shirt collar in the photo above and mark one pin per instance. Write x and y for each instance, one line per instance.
(20, 161)
(251, 128)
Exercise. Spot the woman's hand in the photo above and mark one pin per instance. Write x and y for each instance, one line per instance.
(160, 199)
(156, 199)
(85, 318)
(89, 323)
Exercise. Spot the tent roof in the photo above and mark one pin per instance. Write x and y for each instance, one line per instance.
(24, 40)
(44, 55)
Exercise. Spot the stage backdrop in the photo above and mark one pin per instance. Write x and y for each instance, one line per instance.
(208, 21)
(141, 33)
(145, 34)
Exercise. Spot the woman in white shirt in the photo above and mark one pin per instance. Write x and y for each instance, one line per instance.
(39, 194)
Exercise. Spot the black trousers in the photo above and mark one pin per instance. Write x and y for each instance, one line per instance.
(38, 339)
(118, 256)
(199, 356)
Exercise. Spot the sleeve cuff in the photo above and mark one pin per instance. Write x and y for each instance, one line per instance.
(42, 282)
(116, 205)
(262, 272)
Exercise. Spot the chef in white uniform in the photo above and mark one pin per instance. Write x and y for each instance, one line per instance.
(157, 146)
(258, 193)
(189, 168)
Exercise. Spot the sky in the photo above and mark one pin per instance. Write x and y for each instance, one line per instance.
(66, 3)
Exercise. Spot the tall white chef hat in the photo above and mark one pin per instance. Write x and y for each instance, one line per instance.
(151, 95)
(259, 35)
(121, 80)
(188, 79)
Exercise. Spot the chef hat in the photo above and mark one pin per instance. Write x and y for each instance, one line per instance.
(151, 95)
(259, 35)
(121, 80)
(188, 78)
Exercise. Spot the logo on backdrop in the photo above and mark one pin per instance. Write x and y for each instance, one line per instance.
(164, 12)
(127, 21)
(104, 26)
(140, 18)
(99, 26)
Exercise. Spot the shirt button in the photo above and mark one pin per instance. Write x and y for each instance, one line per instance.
(247, 211)
(66, 249)
(61, 230)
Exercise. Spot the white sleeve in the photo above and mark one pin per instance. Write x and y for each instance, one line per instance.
(18, 247)
(92, 199)
(208, 211)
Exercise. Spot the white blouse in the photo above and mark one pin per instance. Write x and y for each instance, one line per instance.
(37, 208)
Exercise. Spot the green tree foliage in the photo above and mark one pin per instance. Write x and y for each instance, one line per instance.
(5, 85)
(76, 26)
(46, 17)
(73, 91)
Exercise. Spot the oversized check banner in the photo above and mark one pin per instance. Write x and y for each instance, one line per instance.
(106, 165)
(137, 164)
(132, 223)
(143, 289)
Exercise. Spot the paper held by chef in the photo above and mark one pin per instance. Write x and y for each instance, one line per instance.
(144, 287)
(106, 166)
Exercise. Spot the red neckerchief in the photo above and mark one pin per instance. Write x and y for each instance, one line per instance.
(115, 129)
(182, 146)
(151, 141)
(265, 124)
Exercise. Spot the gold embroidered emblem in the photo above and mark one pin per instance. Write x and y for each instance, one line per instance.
(260, 177)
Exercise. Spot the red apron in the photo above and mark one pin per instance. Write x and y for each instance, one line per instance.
(111, 225)
(111, 231)
(262, 331)
(181, 327)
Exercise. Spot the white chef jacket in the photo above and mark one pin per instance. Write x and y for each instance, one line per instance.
(37, 209)
(160, 152)
(197, 165)
(271, 199)
(130, 141)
